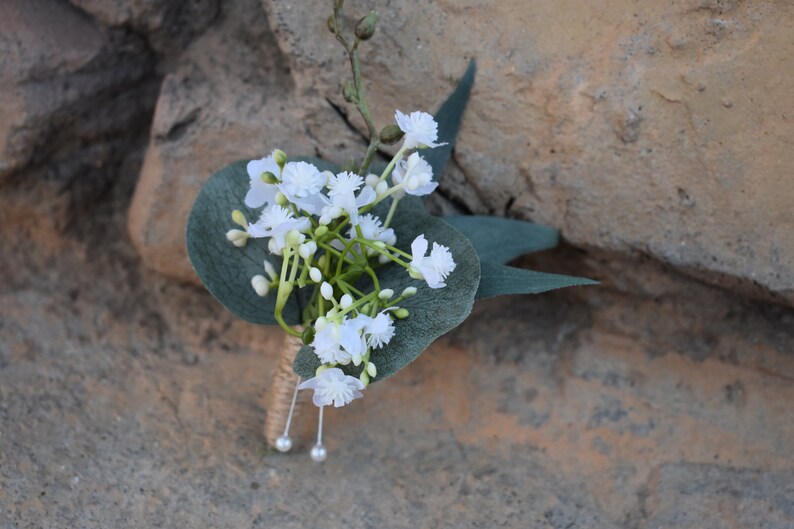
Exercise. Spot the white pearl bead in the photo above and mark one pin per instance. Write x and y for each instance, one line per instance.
(283, 443)
(318, 453)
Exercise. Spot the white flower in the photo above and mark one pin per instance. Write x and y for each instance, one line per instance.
(415, 175)
(434, 268)
(340, 343)
(379, 330)
(420, 129)
(261, 193)
(333, 386)
(342, 196)
(301, 180)
(372, 229)
(276, 222)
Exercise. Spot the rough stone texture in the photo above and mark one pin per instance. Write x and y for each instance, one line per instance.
(230, 97)
(132, 401)
(655, 136)
(656, 127)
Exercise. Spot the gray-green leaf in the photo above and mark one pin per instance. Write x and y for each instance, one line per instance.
(500, 240)
(499, 280)
(433, 312)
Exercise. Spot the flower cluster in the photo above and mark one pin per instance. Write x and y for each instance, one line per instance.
(324, 228)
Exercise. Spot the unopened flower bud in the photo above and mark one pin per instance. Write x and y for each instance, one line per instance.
(366, 26)
(382, 187)
(327, 291)
(386, 294)
(239, 218)
(271, 270)
(408, 292)
(364, 377)
(272, 245)
(281, 200)
(320, 231)
(308, 335)
(325, 219)
(401, 313)
(391, 134)
(315, 274)
(379, 244)
(260, 284)
(383, 259)
(323, 260)
(269, 178)
(349, 92)
(280, 157)
(307, 249)
(372, 370)
(294, 238)
(371, 180)
(332, 313)
(320, 323)
(237, 237)
(346, 301)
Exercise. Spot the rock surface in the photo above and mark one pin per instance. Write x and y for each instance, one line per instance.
(136, 402)
(654, 134)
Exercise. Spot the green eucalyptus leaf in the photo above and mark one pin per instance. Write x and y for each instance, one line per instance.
(224, 269)
(433, 312)
(500, 240)
(449, 117)
(499, 280)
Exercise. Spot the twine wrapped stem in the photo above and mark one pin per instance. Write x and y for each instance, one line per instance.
(279, 397)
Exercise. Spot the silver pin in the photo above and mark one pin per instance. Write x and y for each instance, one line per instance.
(284, 442)
(319, 453)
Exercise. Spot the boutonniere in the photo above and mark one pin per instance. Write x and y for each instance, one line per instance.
(347, 260)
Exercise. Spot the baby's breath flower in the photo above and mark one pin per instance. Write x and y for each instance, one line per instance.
(342, 196)
(300, 180)
(415, 176)
(315, 274)
(372, 229)
(261, 193)
(379, 330)
(276, 222)
(420, 129)
(433, 268)
(332, 386)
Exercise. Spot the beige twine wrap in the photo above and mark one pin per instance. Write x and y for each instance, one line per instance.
(279, 396)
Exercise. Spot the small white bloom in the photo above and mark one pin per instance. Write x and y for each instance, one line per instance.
(420, 129)
(343, 198)
(327, 291)
(379, 330)
(340, 343)
(301, 180)
(261, 193)
(415, 176)
(433, 268)
(332, 386)
(372, 229)
(276, 222)
(260, 284)
(315, 274)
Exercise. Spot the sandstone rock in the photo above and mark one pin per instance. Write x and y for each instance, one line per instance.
(654, 129)
(74, 96)
(230, 97)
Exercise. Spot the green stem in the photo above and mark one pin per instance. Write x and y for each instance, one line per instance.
(392, 209)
